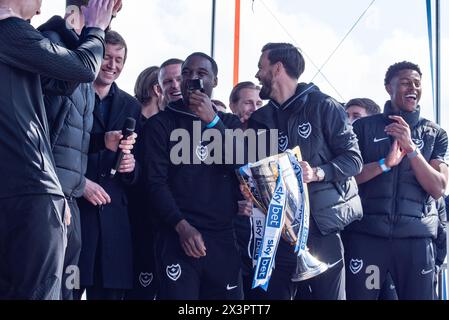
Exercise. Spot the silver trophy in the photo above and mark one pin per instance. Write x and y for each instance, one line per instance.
(260, 180)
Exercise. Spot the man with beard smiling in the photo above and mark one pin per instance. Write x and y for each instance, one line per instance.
(193, 202)
(306, 117)
(404, 171)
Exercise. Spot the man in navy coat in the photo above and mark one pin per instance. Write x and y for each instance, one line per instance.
(106, 253)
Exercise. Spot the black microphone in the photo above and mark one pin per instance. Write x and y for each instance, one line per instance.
(128, 129)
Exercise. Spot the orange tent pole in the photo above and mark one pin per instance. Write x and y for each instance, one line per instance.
(237, 42)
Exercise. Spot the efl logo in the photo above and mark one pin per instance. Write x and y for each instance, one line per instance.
(264, 263)
(274, 216)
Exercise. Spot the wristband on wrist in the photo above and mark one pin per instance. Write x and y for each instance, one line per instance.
(383, 166)
(413, 154)
(213, 122)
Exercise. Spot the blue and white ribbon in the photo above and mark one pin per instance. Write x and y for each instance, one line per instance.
(302, 214)
(273, 228)
(258, 220)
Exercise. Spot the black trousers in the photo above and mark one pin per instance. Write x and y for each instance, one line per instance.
(213, 277)
(280, 286)
(410, 262)
(33, 239)
(329, 285)
(97, 291)
(71, 276)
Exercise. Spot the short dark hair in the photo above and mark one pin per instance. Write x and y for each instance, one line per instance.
(203, 55)
(288, 55)
(114, 38)
(235, 93)
(394, 69)
(171, 61)
(369, 105)
(145, 82)
(78, 3)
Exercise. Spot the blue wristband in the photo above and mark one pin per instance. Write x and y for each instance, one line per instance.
(214, 122)
(383, 166)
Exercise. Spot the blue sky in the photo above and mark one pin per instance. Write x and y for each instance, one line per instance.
(391, 31)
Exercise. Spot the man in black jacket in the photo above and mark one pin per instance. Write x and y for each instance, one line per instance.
(404, 171)
(193, 200)
(106, 255)
(306, 117)
(31, 200)
(70, 121)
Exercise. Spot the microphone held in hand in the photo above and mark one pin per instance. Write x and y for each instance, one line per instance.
(128, 130)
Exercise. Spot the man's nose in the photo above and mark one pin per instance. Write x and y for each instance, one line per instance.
(111, 64)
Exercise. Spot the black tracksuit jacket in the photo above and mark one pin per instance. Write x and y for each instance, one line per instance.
(205, 195)
(27, 165)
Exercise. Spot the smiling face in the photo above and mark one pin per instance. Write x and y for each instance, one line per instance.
(356, 112)
(197, 67)
(112, 65)
(170, 82)
(405, 90)
(248, 102)
(265, 76)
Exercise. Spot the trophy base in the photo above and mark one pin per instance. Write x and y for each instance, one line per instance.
(308, 267)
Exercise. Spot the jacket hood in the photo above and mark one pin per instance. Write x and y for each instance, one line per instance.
(302, 91)
(58, 25)
(265, 115)
(178, 106)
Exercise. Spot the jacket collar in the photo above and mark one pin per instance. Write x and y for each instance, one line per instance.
(301, 92)
(179, 108)
(117, 108)
(266, 115)
(58, 25)
(412, 118)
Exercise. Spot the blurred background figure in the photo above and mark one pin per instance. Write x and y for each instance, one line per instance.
(361, 107)
(219, 105)
(244, 100)
(148, 92)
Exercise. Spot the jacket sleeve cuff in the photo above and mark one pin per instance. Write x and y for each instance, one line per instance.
(173, 221)
(92, 31)
(328, 172)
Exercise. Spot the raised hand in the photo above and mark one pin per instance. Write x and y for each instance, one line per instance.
(400, 130)
(98, 13)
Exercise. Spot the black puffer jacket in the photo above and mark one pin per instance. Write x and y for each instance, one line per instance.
(70, 119)
(318, 125)
(394, 203)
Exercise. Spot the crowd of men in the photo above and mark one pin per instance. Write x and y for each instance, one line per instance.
(172, 223)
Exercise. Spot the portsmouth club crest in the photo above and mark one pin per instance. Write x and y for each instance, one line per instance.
(145, 279)
(283, 141)
(174, 271)
(202, 152)
(304, 130)
(356, 265)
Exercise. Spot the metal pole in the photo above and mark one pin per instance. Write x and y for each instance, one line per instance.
(212, 45)
(236, 42)
(438, 62)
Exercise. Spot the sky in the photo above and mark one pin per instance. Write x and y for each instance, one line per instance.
(391, 31)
